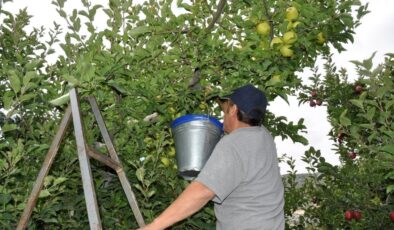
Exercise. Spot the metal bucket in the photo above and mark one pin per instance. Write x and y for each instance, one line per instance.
(195, 136)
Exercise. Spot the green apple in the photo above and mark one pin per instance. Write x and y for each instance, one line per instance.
(148, 140)
(320, 38)
(263, 28)
(171, 153)
(276, 79)
(292, 25)
(286, 51)
(263, 44)
(290, 37)
(295, 24)
(166, 162)
(291, 13)
(276, 41)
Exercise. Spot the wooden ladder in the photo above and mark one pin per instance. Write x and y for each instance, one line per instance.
(85, 152)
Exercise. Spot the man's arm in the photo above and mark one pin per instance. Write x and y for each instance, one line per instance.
(192, 199)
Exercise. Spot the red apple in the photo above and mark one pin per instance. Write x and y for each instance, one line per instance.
(391, 216)
(348, 215)
(340, 137)
(312, 103)
(352, 155)
(318, 102)
(314, 93)
(358, 88)
(357, 215)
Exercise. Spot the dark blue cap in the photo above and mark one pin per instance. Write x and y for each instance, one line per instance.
(249, 100)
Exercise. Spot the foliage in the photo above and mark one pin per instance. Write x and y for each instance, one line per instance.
(147, 62)
(362, 123)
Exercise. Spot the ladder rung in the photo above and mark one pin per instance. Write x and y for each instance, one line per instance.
(104, 159)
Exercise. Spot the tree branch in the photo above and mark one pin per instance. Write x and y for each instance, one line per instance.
(193, 83)
(269, 19)
(216, 16)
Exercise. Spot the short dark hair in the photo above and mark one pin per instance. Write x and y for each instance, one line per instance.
(243, 117)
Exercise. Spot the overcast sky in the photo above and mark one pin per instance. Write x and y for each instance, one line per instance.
(376, 33)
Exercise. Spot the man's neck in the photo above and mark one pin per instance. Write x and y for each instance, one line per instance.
(239, 125)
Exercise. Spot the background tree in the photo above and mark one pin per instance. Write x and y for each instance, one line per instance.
(357, 194)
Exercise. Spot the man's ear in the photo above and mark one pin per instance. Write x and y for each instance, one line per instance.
(234, 110)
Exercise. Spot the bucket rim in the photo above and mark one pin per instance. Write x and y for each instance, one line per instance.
(196, 117)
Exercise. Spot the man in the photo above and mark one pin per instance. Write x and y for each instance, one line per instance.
(241, 176)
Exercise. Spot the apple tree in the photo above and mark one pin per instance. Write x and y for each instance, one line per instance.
(150, 63)
(358, 193)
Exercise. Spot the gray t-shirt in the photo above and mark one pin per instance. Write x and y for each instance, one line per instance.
(243, 172)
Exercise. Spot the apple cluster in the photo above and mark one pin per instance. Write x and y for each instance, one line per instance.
(283, 43)
(357, 215)
(353, 214)
(314, 100)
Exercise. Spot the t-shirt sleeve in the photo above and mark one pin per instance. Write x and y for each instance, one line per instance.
(222, 172)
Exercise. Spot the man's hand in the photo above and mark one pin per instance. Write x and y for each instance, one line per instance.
(150, 227)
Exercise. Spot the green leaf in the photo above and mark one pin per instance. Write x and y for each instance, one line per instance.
(343, 119)
(368, 62)
(367, 126)
(8, 100)
(83, 13)
(135, 32)
(59, 180)
(5, 198)
(388, 148)
(32, 65)
(3, 164)
(62, 13)
(28, 76)
(44, 193)
(60, 100)
(15, 82)
(390, 188)
(93, 11)
(151, 193)
(381, 92)
(389, 104)
(61, 3)
(357, 103)
(301, 140)
(8, 127)
(363, 96)
(140, 173)
(389, 133)
(71, 79)
(118, 86)
(77, 24)
(284, 97)
(50, 220)
(370, 113)
(27, 97)
(390, 175)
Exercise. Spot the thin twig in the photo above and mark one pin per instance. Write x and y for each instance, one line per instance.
(269, 19)
(216, 16)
